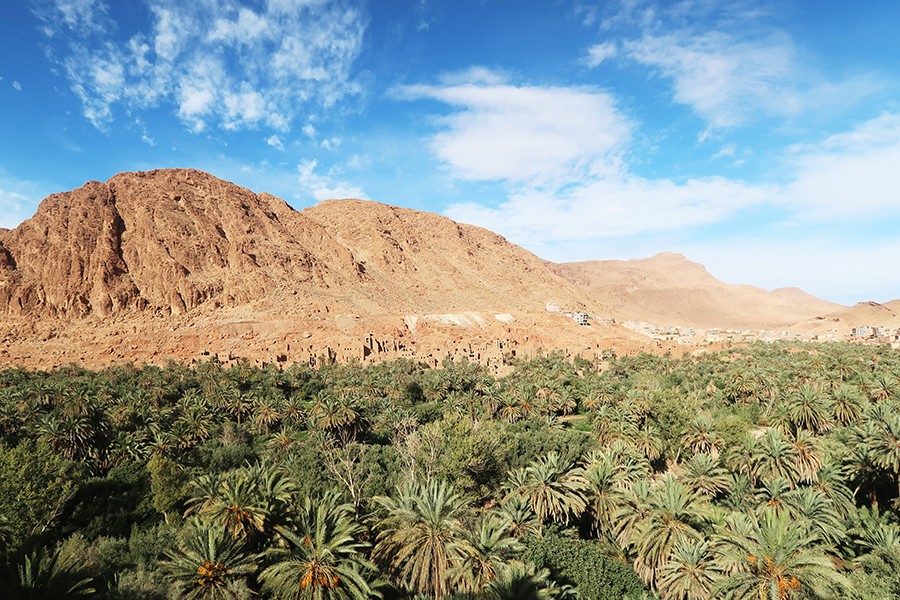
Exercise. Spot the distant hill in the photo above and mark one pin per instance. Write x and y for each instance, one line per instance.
(861, 314)
(668, 289)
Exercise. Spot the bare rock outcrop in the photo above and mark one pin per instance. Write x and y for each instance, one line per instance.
(169, 241)
(175, 263)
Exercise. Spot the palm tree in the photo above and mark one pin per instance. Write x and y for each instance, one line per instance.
(648, 441)
(611, 423)
(812, 506)
(774, 456)
(846, 404)
(772, 493)
(520, 581)
(195, 422)
(688, 574)
(883, 443)
(608, 475)
(843, 363)
(775, 557)
(509, 408)
(266, 413)
(248, 502)
(830, 481)
(703, 474)
(493, 545)
(882, 386)
(808, 408)
(326, 558)
(422, 538)
(238, 508)
(808, 455)
(208, 564)
(522, 520)
(554, 488)
(673, 516)
(333, 413)
(701, 436)
(48, 575)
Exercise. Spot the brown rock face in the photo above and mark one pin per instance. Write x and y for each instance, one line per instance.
(67, 261)
(177, 264)
(169, 241)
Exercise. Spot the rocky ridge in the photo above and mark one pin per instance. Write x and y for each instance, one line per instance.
(177, 264)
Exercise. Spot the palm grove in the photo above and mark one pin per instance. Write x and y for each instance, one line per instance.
(771, 471)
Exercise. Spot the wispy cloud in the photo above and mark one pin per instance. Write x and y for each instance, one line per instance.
(726, 81)
(325, 187)
(18, 198)
(736, 70)
(851, 175)
(598, 53)
(88, 16)
(216, 63)
(541, 135)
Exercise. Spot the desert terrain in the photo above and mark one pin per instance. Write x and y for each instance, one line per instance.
(179, 265)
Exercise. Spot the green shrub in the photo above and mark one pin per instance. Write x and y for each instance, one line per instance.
(584, 564)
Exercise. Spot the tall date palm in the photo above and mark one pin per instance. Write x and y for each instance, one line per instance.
(422, 538)
(325, 560)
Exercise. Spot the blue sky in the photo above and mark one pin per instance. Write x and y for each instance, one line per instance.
(761, 139)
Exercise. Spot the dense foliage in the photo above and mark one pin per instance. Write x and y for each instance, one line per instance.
(771, 471)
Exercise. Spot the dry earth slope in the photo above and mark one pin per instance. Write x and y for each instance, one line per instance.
(668, 289)
(176, 263)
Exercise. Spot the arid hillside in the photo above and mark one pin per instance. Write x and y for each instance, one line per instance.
(668, 289)
(177, 263)
(169, 241)
(863, 314)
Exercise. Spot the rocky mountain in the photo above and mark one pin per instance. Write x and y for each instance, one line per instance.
(176, 263)
(669, 289)
(169, 241)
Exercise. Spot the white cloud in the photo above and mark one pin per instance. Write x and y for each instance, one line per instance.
(560, 152)
(275, 142)
(325, 187)
(598, 53)
(17, 86)
(218, 63)
(531, 134)
(18, 199)
(610, 207)
(75, 15)
(852, 174)
(726, 81)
